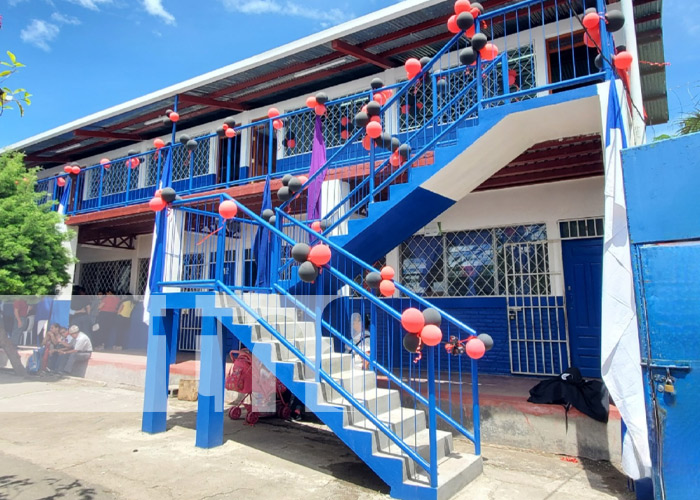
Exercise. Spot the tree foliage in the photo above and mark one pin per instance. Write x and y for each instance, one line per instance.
(690, 123)
(20, 96)
(33, 257)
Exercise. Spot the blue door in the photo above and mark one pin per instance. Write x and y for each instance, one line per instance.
(583, 281)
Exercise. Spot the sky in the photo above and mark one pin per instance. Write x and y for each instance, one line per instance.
(83, 56)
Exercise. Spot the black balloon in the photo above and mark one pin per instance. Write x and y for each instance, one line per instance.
(478, 6)
(286, 179)
(385, 140)
(373, 108)
(615, 20)
(230, 121)
(467, 56)
(591, 10)
(404, 151)
(168, 194)
(599, 61)
(132, 152)
(361, 119)
(465, 20)
(411, 342)
(325, 224)
(377, 83)
(220, 131)
(487, 340)
(620, 48)
(308, 272)
(432, 316)
(167, 112)
(373, 280)
(284, 194)
(395, 144)
(294, 184)
(273, 220)
(300, 252)
(184, 138)
(267, 213)
(479, 41)
(191, 145)
(424, 61)
(321, 98)
(441, 85)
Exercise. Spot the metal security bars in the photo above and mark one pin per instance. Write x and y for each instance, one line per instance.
(114, 275)
(591, 227)
(462, 263)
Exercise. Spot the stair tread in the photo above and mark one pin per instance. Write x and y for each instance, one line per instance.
(393, 417)
(449, 467)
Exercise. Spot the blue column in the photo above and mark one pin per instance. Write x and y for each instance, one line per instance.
(155, 401)
(210, 404)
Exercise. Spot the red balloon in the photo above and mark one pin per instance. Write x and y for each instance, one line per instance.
(320, 254)
(462, 6)
(273, 113)
(228, 209)
(291, 143)
(431, 335)
(133, 162)
(374, 129)
(75, 169)
(344, 134)
(475, 348)
(452, 25)
(61, 181)
(104, 162)
(158, 143)
(395, 159)
(367, 142)
(379, 97)
(623, 60)
(174, 117)
(364, 108)
(475, 12)
(157, 204)
(225, 126)
(68, 169)
(387, 288)
(344, 121)
(320, 109)
(316, 226)
(387, 273)
(512, 76)
(230, 133)
(303, 179)
(157, 193)
(277, 124)
(412, 320)
(412, 66)
(471, 31)
(592, 39)
(489, 52)
(311, 102)
(591, 21)
(377, 119)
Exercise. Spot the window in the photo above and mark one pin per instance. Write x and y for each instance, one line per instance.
(462, 263)
(250, 268)
(114, 275)
(142, 279)
(581, 228)
(300, 127)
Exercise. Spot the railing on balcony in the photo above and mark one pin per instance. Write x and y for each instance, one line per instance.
(422, 113)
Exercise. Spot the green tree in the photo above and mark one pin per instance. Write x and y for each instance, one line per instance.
(690, 123)
(33, 257)
(20, 97)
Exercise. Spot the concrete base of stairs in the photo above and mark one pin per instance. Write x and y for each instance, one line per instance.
(507, 418)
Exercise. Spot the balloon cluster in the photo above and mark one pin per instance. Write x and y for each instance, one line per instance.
(310, 259)
(614, 21)
(463, 19)
(228, 128)
(61, 181)
(132, 162)
(72, 169)
(474, 346)
(290, 140)
(382, 281)
(423, 329)
(318, 103)
(162, 198)
(290, 186)
(173, 116)
(272, 114)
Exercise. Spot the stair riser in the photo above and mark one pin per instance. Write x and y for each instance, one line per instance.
(375, 403)
(332, 365)
(357, 384)
(405, 425)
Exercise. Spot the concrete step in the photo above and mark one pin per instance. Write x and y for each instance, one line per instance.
(403, 421)
(455, 471)
(377, 400)
(353, 381)
(332, 363)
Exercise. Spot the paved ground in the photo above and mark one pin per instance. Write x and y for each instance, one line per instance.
(76, 439)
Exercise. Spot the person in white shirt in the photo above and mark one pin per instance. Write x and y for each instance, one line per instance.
(81, 351)
(361, 338)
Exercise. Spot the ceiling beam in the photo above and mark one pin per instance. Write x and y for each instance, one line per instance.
(361, 54)
(214, 103)
(46, 159)
(105, 134)
(649, 36)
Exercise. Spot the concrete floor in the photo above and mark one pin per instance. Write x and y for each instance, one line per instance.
(78, 439)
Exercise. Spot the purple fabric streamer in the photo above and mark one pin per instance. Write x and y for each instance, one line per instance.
(318, 160)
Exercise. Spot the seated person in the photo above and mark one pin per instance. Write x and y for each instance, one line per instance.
(62, 341)
(81, 351)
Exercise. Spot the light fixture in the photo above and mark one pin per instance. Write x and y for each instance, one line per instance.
(332, 64)
(68, 148)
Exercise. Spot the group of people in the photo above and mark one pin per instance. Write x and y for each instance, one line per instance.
(104, 317)
(62, 349)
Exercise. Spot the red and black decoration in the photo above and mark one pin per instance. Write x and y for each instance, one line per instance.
(311, 259)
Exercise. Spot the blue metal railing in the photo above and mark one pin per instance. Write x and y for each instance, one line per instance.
(409, 115)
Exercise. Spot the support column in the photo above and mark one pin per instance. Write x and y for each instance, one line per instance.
(160, 334)
(210, 403)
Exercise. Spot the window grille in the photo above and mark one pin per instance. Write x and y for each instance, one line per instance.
(463, 263)
(591, 227)
(142, 279)
(112, 275)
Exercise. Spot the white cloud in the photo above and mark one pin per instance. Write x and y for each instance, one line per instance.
(155, 8)
(40, 33)
(325, 16)
(90, 4)
(63, 19)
